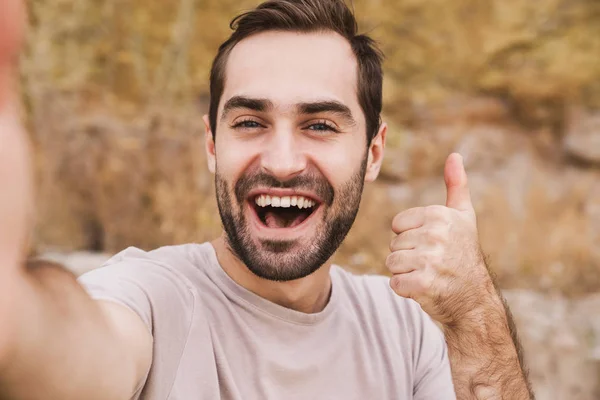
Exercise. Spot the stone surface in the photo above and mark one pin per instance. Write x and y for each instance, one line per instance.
(582, 139)
(561, 338)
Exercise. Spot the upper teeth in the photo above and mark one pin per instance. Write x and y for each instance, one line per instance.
(286, 201)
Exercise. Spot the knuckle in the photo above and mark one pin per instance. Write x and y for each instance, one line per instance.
(436, 212)
(403, 216)
(399, 240)
(393, 243)
(420, 285)
(431, 260)
(423, 283)
(390, 260)
(400, 286)
(437, 260)
(397, 221)
(396, 283)
(436, 234)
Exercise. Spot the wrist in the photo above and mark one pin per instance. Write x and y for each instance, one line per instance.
(480, 305)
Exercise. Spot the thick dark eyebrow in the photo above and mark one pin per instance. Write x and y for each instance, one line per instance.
(327, 106)
(245, 102)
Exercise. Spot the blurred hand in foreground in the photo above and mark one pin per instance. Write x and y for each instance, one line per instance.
(15, 179)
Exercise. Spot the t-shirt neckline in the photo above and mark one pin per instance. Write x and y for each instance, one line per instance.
(227, 284)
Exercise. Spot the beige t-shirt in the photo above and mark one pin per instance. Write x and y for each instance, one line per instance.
(213, 339)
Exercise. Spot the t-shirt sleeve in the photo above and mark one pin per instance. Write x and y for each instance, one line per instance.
(162, 299)
(433, 378)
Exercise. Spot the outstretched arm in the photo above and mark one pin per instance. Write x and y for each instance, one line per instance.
(55, 342)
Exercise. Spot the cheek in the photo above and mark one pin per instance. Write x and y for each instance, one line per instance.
(340, 162)
(233, 158)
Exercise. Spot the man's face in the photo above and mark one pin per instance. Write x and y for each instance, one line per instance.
(290, 155)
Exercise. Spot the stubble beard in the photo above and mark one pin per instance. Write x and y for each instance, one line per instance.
(281, 260)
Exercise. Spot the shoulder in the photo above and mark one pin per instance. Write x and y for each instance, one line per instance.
(181, 262)
(149, 281)
(177, 258)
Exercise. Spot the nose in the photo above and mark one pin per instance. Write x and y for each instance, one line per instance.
(282, 157)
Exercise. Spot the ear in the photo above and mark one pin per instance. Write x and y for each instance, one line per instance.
(209, 145)
(375, 156)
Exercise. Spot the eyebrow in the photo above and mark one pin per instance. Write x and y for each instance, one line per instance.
(330, 106)
(245, 102)
(262, 105)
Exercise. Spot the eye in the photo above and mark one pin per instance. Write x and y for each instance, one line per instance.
(322, 127)
(247, 124)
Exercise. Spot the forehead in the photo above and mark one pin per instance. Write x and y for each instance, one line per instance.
(290, 67)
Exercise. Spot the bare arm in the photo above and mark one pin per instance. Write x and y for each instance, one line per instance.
(55, 342)
(437, 261)
(486, 357)
(65, 345)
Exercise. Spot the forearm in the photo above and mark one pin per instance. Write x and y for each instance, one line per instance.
(61, 345)
(485, 355)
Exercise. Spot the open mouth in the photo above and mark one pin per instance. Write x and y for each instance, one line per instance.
(285, 211)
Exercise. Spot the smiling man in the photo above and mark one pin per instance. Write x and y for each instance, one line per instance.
(288, 142)
(293, 133)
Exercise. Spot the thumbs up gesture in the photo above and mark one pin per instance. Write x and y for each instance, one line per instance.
(435, 256)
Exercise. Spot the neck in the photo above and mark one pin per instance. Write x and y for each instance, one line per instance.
(309, 294)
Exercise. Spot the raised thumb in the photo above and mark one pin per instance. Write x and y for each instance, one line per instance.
(457, 188)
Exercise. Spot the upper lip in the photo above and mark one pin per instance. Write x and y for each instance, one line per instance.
(282, 193)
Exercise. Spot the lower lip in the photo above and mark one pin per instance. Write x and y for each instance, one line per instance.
(282, 233)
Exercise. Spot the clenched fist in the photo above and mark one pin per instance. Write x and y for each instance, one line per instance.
(436, 258)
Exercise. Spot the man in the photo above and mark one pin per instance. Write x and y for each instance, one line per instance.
(292, 134)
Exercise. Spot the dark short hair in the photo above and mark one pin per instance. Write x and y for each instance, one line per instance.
(307, 16)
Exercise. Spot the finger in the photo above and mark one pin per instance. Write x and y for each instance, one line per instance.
(458, 195)
(411, 285)
(409, 219)
(402, 261)
(12, 21)
(407, 240)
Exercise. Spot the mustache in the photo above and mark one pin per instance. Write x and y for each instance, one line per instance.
(308, 182)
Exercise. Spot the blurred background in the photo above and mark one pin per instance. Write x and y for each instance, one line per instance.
(114, 91)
